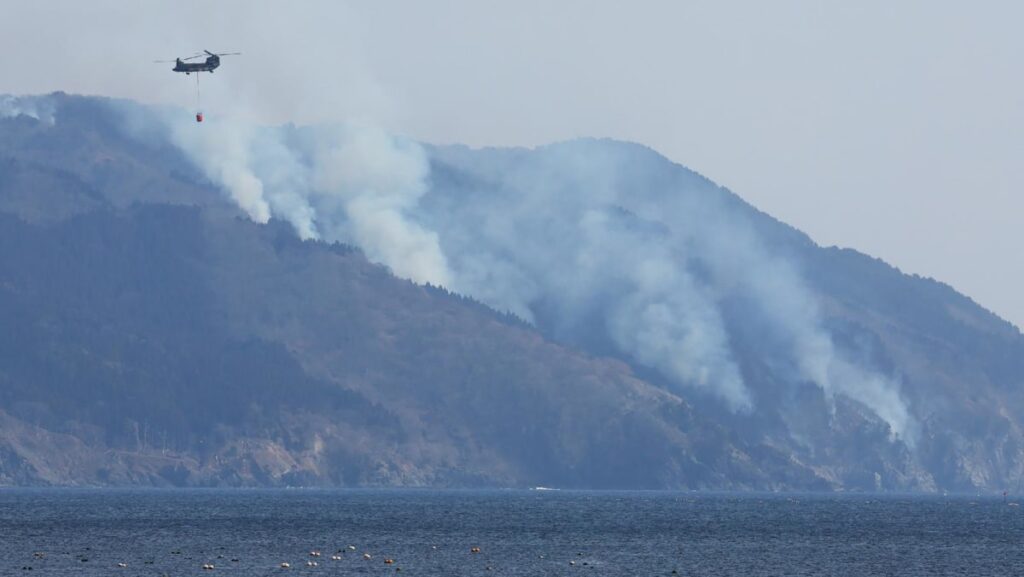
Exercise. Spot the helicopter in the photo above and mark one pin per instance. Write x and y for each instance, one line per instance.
(209, 65)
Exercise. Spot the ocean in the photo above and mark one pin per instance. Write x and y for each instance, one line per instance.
(122, 532)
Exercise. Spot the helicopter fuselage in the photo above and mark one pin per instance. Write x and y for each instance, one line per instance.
(187, 67)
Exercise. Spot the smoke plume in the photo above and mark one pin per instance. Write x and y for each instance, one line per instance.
(346, 183)
(607, 234)
(590, 240)
(224, 154)
(38, 107)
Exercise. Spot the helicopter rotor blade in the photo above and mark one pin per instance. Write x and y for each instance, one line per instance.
(199, 55)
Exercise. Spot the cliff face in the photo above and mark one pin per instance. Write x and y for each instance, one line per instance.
(153, 335)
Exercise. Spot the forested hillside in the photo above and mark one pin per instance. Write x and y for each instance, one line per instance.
(608, 319)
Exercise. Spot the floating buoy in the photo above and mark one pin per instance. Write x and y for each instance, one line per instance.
(199, 117)
(314, 553)
(122, 565)
(474, 550)
(389, 561)
(310, 563)
(335, 557)
(208, 567)
(285, 565)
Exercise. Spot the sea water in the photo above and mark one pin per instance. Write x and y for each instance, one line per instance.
(564, 533)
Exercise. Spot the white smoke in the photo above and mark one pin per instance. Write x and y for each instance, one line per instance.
(656, 311)
(596, 239)
(789, 309)
(224, 153)
(285, 182)
(347, 183)
(565, 232)
(604, 230)
(40, 108)
(377, 181)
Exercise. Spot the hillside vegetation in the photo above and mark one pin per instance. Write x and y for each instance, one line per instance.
(154, 335)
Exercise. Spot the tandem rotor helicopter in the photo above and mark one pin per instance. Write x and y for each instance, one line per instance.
(209, 65)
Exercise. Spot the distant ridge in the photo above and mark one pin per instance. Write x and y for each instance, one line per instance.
(155, 335)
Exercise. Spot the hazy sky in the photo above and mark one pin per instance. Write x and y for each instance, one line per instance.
(896, 128)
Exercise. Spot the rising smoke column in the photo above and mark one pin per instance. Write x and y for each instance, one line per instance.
(285, 181)
(41, 108)
(223, 152)
(554, 231)
(660, 315)
(371, 182)
(339, 183)
(610, 230)
(560, 236)
(739, 264)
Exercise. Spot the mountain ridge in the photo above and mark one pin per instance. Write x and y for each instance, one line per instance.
(163, 283)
